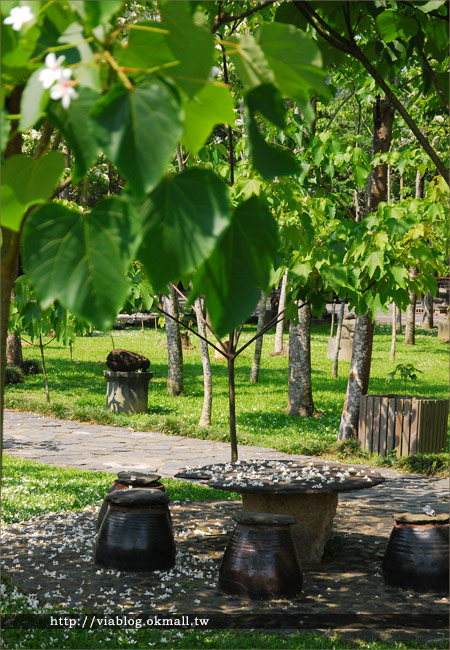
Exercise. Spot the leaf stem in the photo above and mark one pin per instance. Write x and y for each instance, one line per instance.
(59, 48)
(115, 66)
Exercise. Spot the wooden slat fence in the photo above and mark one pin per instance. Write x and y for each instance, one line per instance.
(407, 425)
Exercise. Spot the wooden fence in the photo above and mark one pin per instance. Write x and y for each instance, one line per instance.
(407, 425)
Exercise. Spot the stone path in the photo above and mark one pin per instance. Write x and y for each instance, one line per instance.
(52, 555)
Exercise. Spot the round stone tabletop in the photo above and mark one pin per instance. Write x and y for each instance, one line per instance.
(284, 477)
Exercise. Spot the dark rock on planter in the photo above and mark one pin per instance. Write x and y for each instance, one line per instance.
(126, 361)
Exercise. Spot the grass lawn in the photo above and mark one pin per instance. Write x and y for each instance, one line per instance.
(31, 489)
(77, 390)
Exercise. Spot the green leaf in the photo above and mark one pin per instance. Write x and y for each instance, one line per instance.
(186, 215)
(267, 100)
(145, 49)
(431, 5)
(78, 130)
(4, 130)
(191, 43)
(26, 181)
(33, 101)
(360, 173)
(268, 160)
(392, 24)
(212, 105)
(81, 53)
(138, 131)
(99, 12)
(295, 61)
(82, 259)
(239, 266)
(288, 13)
(401, 276)
(250, 62)
(374, 261)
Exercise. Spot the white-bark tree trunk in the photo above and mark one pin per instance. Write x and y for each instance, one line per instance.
(205, 418)
(358, 381)
(254, 372)
(427, 320)
(174, 352)
(280, 324)
(410, 322)
(300, 399)
(334, 372)
(394, 331)
(15, 357)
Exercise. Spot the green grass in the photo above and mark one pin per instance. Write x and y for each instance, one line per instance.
(78, 390)
(30, 489)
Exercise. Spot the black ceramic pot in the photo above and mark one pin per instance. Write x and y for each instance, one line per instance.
(260, 560)
(129, 479)
(135, 534)
(417, 553)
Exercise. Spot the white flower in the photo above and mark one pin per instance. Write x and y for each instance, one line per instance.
(64, 90)
(53, 71)
(18, 16)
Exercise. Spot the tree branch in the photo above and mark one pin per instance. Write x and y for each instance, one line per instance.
(225, 18)
(330, 35)
(62, 186)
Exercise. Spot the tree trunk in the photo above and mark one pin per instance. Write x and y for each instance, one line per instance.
(300, 399)
(398, 325)
(394, 332)
(427, 320)
(410, 324)
(333, 312)
(175, 355)
(280, 325)
(358, 381)
(334, 372)
(205, 418)
(254, 372)
(15, 357)
(10, 246)
(232, 398)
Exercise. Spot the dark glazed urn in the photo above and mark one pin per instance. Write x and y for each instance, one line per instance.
(136, 534)
(260, 561)
(417, 554)
(129, 479)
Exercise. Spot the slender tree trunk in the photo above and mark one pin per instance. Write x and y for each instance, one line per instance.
(394, 331)
(65, 193)
(427, 320)
(398, 325)
(15, 357)
(300, 399)
(280, 325)
(358, 381)
(254, 373)
(44, 369)
(334, 372)
(205, 418)
(175, 355)
(333, 312)
(232, 398)
(410, 324)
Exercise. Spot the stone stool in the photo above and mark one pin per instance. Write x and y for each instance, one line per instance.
(260, 560)
(136, 534)
(130, 479)
(417, 553)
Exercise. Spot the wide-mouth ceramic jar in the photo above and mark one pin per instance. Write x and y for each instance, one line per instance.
(417, 554)
(136, 533)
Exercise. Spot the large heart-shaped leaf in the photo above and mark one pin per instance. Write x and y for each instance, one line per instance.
(186, 215)
(82, 259)
(26, 181)
(212, 105)
(78, 129)
(295, 61)
(191, 43)
(139, 130)
(239, 267)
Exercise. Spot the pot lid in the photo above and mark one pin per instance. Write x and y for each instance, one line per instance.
(130, 477)
(136, 498)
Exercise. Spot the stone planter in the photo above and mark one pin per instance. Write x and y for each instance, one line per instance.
(346, 343)
(407, 425)
(127, 392)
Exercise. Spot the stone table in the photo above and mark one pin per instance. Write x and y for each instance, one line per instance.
(306, 490)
